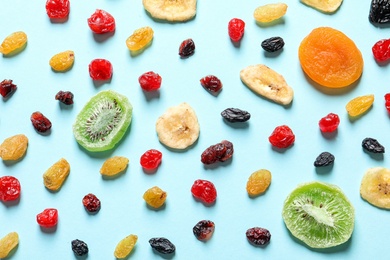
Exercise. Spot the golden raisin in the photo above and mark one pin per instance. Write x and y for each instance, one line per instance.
(55, 176)
(269, 12)
(8, 243)
(14, 147)
(13, 43)
(258, 182)
(140, 39)
(125, 246)
(62, 61)
(114, 165)
(155, 197)
(359, 105)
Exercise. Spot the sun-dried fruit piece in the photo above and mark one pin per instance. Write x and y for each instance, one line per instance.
(125, 246)
(173, 11)
(381, 50)
(203, 230)
(8, 243)
(329, 123)
(387, 102)
(151, 159)
(324, 159)
(267, 83)
(100, 69)
(140, 39)
(236, 28)
(162, 245)
(375, 187)
(48, 218)
(187, 48)
(57, 9)
(155, 197)
(272, 44)
(91, 203)
(56, 175)
(13, 43)
(65, 97)
(150, 81)
(234, 115)
(101, 22)
(204, 190)
(258, 182)
(7, 88)
(372, 145)
(330, 58)
(326, 6)
(222, 151)
(14, 147)
(379, 11)
(282, 137)
(270, 12)
(359, 105)
(258, 236)
(211, 83)
(114, 165)
(40, 122)
(79, 247)
(62, 61)
(9, 188)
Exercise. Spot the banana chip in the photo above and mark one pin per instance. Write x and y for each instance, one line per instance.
(375, 187)
(327, 6)
(171, 10)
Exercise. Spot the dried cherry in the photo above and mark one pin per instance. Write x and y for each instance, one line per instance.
(329, 123)
(100, 69)
(211, 83)
(48, 218)
(282, 137)
(151, 159)
(187, 48)
(150, 81)
(387, 102)
(65, 97)
(204, 190)
(381, 50)
(236, 29)
(40, 122)
(7, 88)
(91, 203)
(101, 22)
(9, 188)
(204, 229)
(57, 9)
(258, 236)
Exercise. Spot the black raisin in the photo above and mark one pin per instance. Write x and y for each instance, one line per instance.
(324, 159)
(372, 145)
(204, 229)
(162, 245)
(258, 236)
(379, 11)
(187, 48)
(234, 115)
(272, 44)
(79, 247)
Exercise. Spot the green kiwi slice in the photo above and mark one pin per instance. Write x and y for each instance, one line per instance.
(103, 121)
(319, 214)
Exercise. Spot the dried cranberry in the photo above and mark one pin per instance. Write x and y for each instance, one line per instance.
(100, 69)
(236, 29)
(150, 81)
(282, 137)
(218, 152)
(381, 50)
(151, 159)
(65, 97)
(203, 230)
(387, 102)
(204, 190)
(258, 236)
(211, 83)
(9, 188)
(91, 203)
(48, 218)
(101, 22)
(7, 88)
(57, 9)
(41, 123)
(329, 123)
(209, 156)
(229, 151)
(187, 48)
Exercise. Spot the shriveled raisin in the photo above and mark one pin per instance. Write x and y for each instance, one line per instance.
(234, 115)
(140, 39)
(79, 247)
(187, 48)
(101, 22)
(114, 165)
(379, 11)
(8, 243)
(258, 182)
(91, 203)
(65, 97)
(372, 145)
(48, 218)
(211, 83)
(258, 236)
(272, 44)
(7, 88)
(203, 230)
(204, 190)
(125, 246)
(324, 159)
(9, 188)
(40, 122)
(14, 147)
(55, 176)
(162, 245)
(155, 197)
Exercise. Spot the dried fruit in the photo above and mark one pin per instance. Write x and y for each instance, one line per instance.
(211, 83)
(100, 69)
(282, 137)
(270, 12)
(272, 44)
(222, 152)
(155, 197)
(140, 39)
(48, 218)
(375, 187)
(62, 61)
(203, 230)
(359, 105)
(258, 182)
(236, 28)
(379, 11)
(65, 97)
(372, 145)
(329, 123)
(330, 58)
(173, 11)
(7, 88)
(13, 43)
(150, 81)
(187, 48)
(56, 175)
(14, 147)
(125, 246)
(162, 245)
(9, 188)
(101, 22)
(103, 121)
(114, 165)
(151, 159)
(267, 83)
(79, 247)
(324, 159)
(91, 203)
(40, 122)
(204, 191)
(326, 6)
(58, 9)
(258, 236)
(8, 243)
(381, 50)
(234, 115)
(387, 102)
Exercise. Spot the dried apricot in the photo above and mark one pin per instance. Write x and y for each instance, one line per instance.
(14, 147)
(258, 182)
(359, 105)
(62, 61)
(114, 165)
(13, 43)
(8, 243)
(125, 246)
(330, 58)
(155, 197)
(269, 12)
(140, 39)
(55, 176)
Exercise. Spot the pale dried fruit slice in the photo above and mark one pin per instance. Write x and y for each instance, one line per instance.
(270, 12)
(14, 147)
(267, 83)
(55, 176)
(359, 105)
(62, 61)
(178, 127)
(258, 182)
(171, 10)
(125, 246)
(114, 165)
(8, 243)
(375, 187)
(326, 6)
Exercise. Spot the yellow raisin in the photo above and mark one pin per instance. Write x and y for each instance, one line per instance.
(258, 182)
(114, 165)
(8, 243)
(269, 12)
(55, 176)
(14, 147)
(155, 197)
(62, 61)
(359, 105)
(13, 43)
(125, 246)
(140, 39)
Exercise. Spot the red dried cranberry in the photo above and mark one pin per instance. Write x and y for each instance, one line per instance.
(65, 97)
(91, 203)
(236, 29)
(211, 83)
(9, 188)
(387, 102)
(218, 152)
(100, 69)
(48, 218)
(41, 123)
(229, 151)
(187, 48)
(258, 236)
(7, 88)
(204, 191)
(150, 81)
(282, 137)
(57, 9)
(101, 22)
(381, 50)
(151, 159)
(203, 230)
(329, 123)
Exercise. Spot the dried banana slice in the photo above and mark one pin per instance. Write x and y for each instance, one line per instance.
(375, 187)
(268, 83)
(178, 127)
(327, 6)
(171, 10)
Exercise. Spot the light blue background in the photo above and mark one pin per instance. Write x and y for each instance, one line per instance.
(123, 210)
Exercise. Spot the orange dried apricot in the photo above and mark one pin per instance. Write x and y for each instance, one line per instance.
(330, 58)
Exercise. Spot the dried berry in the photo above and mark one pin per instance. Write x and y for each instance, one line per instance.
(91, 203)
(379, 11)
(372, 145)
(55, 176)
(162, 245)
(125, 246)
(222, 151)
(272, 44)
(234, 115)
(187, 48)
(151, 159)
(14, 147)
(100, 69)
(63, 61)
(9, 188)
(41, 123)
(258, 182)
(387, 102)
(7, 88)
(48, 218)
(270, 12)
(150, 81)
(282, 137)
(211, 83)
(204, 190)
(57, 9)
(359, 105)
(65, 97)
(203, 230)
(101, 22)
(324, 159)
(114, 165)
(155, 197)
(140, 39)
(79, 247)
(329, 123)
(13, 43)
(258, 236)
(7, 244)
(381, 50)
(236, 29)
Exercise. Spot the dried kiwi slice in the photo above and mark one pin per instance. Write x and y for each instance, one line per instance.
(319, 214)
(103, 121)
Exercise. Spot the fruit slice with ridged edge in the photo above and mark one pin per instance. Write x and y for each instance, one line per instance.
(375, 187)
(319, 214)
(103, 121)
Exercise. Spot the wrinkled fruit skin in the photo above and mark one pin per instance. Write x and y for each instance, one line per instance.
(79, 247)
(48, 218)
(8, 243)
(222, 152)
(101, 22)
(151, 159)
(211, 83)
(150, 81)
(258, 236)
(7, 88)
(65, 97)
(91, 203)
(140, 39)
(381, 50)
(272, 44)
(155, 197)
(379, 11)
(236, 29)
(234, 115)
(372, 145)
(282, 137)
(329, 123)
(9, 188)
(14, 147)
(324, 159)
(57, 9)
(203, 230)
(100, 69)
(387, 102)
(41, 123)
(162, 245)
(204, 190)
(187, 48)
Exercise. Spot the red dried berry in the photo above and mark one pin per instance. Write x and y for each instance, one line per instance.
(151, 159)
(387, 102)
(236, 29)
(282, 137)
(258, 236)
(57, 9)
(100, 69)
(203, 230)
(187, 48)
(41, 123)
(101, 22)
(381, 50)
(211, 83)
(204, 191)
(91, 203)
(65, 97)
(150, 81)
(9, 188)
(218, 152)
(329, 123)
(7, 88)
(48, 218)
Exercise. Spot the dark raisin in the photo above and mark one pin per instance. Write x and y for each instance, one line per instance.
(162, 245)
(7, 88)
(211, 83)
(379, 11)
(41, 123)
(272, 44)
(234, 115)
(324, 159)
(372, 145)
(258, 236)
(65, 97)
(204, 229)
(187, 48)
(91, 203)
(79, 247)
